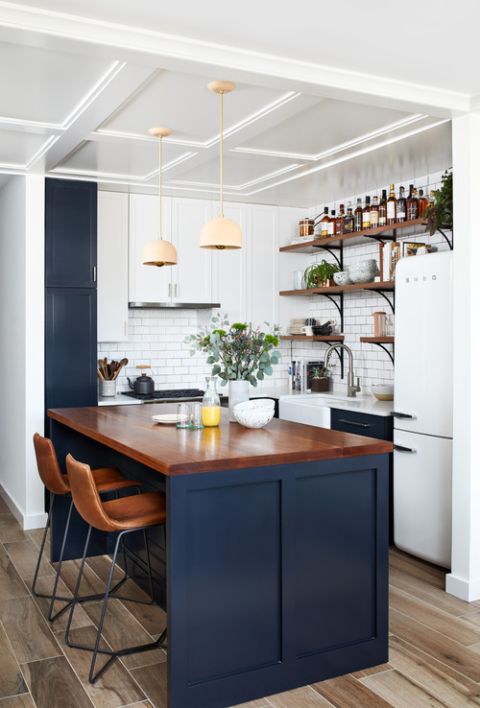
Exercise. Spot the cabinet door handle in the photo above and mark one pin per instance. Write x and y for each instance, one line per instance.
(354, 422)
(125, 328)
(402, 448)
(175, 290)
(94, 274)
(169, 290)
(397, 414)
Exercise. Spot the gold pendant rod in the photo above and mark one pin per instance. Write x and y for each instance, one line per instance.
(221, 153)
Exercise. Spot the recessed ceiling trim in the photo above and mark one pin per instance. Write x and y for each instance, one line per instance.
(311, 157)
(350, 156)
(42, 150)
(235, 128)
(91, 95)
(238, 187)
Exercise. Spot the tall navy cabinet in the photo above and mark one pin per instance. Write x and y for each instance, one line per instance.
(71, 293)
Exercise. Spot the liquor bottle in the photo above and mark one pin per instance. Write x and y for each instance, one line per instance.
(401, 205)
(340, 220)
(412, 204)
(391, 206)
(349, 220)
(374, 213)
(382, 209)
(324, 223)
(358, 215)
(422, 203)
(366, 214)
(331, 225)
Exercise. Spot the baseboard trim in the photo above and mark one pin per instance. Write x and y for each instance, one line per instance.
(468, 590)
(26, 521)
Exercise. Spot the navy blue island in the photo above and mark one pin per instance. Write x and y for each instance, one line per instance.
(273, 566)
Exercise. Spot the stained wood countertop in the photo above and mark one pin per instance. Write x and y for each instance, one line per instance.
(166, 449)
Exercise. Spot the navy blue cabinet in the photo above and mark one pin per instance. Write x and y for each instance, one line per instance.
(373, 426)
(71, 347)
(71, 233)
(70, 295)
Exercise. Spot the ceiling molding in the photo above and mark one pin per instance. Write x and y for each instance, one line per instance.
(211, 142)
(238, 187)
(182, 52)
(314, 157)
(350, 156)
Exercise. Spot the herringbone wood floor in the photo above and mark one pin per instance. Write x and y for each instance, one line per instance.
(434, 644)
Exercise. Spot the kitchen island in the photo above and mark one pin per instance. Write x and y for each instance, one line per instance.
(275, 556)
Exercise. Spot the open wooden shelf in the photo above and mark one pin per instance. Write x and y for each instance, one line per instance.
(387, 285)
(378, 340)
(312, 245)
(305, 338)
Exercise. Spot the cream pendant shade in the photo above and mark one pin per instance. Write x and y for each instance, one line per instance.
(159, 253)
(221, 233)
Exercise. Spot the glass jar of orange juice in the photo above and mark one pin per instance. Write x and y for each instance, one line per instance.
(211, 404)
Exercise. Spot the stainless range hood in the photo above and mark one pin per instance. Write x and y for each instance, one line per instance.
(173, 305)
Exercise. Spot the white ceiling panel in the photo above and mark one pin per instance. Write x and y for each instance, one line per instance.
(18, 147)
(324, 126)
(239, 170)
(43, 85)
(134, 159)
(183, 103)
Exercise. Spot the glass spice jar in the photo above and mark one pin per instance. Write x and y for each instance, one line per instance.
(306, 227)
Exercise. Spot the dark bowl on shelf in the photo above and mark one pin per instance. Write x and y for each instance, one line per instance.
(322, 330)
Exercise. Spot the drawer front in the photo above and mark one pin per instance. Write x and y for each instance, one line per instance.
(373, 426)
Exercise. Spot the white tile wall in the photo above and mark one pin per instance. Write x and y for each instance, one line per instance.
(156, 337)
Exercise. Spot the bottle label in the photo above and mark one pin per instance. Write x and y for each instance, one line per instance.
(331, 225)
(390, 210)
(374, 218)
(400, 212)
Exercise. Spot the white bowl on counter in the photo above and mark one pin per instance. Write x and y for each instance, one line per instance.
(383, 392)
(254, 414)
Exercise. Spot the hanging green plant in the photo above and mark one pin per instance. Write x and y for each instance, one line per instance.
(439, 215)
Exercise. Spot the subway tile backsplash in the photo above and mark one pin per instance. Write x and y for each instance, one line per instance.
(157, 337)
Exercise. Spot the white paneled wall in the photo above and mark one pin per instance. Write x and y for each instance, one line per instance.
(156, 337)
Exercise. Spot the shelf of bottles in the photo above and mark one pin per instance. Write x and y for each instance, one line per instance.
(376, 219)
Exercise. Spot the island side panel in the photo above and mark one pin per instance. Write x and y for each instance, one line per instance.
(277, 577)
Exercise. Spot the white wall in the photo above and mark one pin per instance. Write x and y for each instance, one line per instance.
(21, 343)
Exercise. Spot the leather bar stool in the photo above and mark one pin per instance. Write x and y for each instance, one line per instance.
(121, 516)
(106, 479)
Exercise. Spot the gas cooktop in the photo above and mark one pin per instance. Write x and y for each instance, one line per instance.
(174, 394)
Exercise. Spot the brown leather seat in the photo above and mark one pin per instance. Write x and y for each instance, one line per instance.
(106, 478)
(127, 513)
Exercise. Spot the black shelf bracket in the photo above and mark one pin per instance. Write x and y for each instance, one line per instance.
(391, 353)
(448, 240)
(332, 251)
(390, 299)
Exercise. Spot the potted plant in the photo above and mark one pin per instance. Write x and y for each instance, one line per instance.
(319, 275)
(320, 379)
(240, 354)
(439, 215)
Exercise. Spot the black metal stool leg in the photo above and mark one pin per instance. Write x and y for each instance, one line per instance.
(40, 555)
(51, 616)
(77, 589)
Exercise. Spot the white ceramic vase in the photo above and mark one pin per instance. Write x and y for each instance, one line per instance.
(237, 393)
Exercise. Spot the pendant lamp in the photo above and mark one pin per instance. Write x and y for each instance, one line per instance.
(221, 233)
(160, 252)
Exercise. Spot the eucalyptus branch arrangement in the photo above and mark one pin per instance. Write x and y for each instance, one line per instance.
(238, 351)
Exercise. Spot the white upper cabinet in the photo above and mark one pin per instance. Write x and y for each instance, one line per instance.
(229, 275)
(261, 265)
(192, 276)
(148, 283)
(112, 264)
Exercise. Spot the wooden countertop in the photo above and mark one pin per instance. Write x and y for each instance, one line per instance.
(130, 431)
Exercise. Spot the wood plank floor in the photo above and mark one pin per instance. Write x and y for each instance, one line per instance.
(434, 644)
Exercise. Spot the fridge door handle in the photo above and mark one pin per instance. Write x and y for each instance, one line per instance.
(397, 414)
(402, 448)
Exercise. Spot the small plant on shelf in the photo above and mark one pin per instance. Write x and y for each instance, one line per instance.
(320, 379)
(319, 275)
(439, 215)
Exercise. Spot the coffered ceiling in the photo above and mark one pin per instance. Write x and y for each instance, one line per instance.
(77, 113)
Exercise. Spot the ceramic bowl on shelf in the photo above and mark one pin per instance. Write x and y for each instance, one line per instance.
(363, 271)
(383, 392)
(254, 414)
(342, 278)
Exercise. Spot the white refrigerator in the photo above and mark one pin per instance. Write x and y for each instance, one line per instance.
(422, 489)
